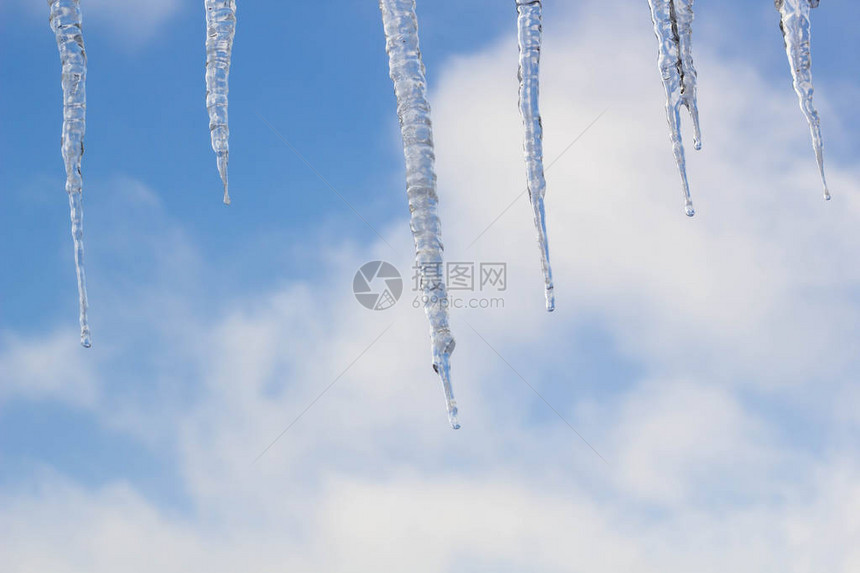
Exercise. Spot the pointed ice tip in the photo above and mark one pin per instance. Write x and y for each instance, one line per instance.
(550, 299)
(453, 419)
(222, 157)
(688, 209)
(226, 188)
(697, 145)
(86, 340)
(442, 366)
(827, 196)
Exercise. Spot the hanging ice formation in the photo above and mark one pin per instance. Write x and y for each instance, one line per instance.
(413, 110)
(529, 38)
(797, 30)
(65, 21)
(673, 21)
(220, 29)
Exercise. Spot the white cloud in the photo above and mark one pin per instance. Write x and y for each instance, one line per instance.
(676, 440)
(46, 368)
(426, 525)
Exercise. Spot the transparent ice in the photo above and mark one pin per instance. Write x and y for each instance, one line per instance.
(684, 19)
(220, 29)
(673, 26)
(65, 20)
(413, 110)
(797, 31)
(529, 38)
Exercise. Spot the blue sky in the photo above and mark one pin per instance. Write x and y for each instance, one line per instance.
(711, 362)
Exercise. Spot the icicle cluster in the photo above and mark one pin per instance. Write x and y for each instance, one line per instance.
(65, 21)
(797, 30)
(529, 38)
(413, 110)
(673, 21)
(220, 29)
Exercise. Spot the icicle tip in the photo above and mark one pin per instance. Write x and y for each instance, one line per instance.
(550, 298)
(222, 171)
(86, 338)
(442, 367)
(689, 210)
(453, 418)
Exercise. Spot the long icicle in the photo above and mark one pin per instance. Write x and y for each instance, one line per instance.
(407, 72)
(797, 31)
(65, 20)
(675, 60)
(220, 30)
(529, 38)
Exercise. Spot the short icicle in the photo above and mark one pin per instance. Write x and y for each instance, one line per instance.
(65, 20)
(672, 25)
(797, 31)
(220, 30)
(407, 72)
(529, 38)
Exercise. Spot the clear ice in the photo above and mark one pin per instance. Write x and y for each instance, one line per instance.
(673, 21)
(407, 72)
(65, 20)
(529, 38)
(797, 31)
(220, 30)
(684, 19)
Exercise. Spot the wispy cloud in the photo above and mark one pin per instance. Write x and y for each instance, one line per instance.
(129, 23)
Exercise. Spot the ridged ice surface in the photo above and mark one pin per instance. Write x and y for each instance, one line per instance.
(413, 110)
(797, 31)
(673, 26)
(220, 30)
(65, 20)
(684, 20)
(529, 37)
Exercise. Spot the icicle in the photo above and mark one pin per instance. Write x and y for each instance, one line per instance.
(220, 29)
(797, 30)
(672, 25)
(529, 36)
(407, 73)
(684, 19)
(65, 21)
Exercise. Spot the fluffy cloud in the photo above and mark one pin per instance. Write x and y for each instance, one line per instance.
(50, 367)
